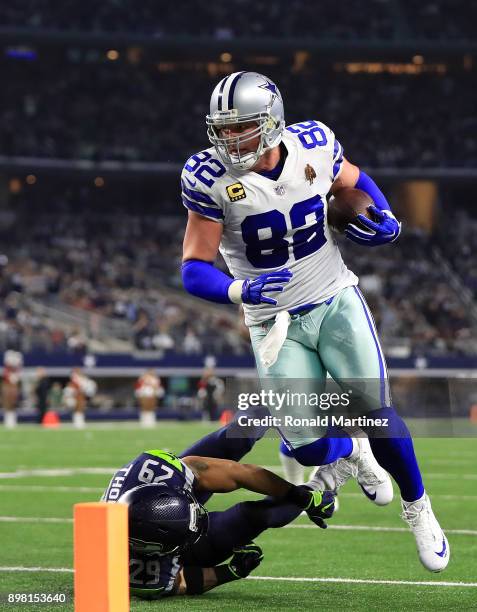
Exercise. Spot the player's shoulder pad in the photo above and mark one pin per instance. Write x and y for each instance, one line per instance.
(312, 134)
(167, 458)
(317, 136)
(198, 181)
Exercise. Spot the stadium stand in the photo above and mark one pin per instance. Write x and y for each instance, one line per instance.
(384, 19)
(125, 269)
(97, 270)
(50, 110)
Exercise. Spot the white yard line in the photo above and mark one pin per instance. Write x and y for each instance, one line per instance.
(34, 519)
(19, 488)
(447, 461)
(74, 471)
(457, 497)
(471, 532)
(52, 489)
(449, 475)
(455, 475)
(68, 570)
(363, 581)
(58, 472)
(36, 569)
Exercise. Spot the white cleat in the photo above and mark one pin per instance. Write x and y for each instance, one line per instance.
(374, 481)
(432, 545)
(361, 464)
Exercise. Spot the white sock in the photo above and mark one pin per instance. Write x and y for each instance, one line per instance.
(78, 420)
(355, 452)
(10, 419)
(147, 419)
(293, 471)
(408, 503)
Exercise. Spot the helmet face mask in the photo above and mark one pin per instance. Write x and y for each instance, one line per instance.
(254, 98)
(163, 521)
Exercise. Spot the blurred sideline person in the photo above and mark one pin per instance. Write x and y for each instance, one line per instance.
(41, 392)
(210, 393)
(176, 547)
(79, 389)
(259, 195)
(11, 380)
(55, 397)
(148, 390)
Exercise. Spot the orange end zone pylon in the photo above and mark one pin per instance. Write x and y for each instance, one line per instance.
(101, 557)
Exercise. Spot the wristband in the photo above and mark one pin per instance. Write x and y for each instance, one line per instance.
(366, 184)
(194, 579)
(235, 291)
(300, 496)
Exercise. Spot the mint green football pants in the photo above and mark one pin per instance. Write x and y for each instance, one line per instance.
(337, 338)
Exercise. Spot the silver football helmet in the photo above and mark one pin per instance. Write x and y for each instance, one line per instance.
(244, 97)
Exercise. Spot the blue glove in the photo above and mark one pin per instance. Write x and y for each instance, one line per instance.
(253, 290)
(385, 229)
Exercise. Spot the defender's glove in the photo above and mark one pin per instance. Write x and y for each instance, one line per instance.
(245, 559)
(253, 290)
(385, 229)
(321, 506)
(318, 505)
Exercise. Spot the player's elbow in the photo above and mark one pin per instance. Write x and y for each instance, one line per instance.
(192, 276)
(189, 276)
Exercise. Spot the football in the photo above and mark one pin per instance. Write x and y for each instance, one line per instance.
(346, 206)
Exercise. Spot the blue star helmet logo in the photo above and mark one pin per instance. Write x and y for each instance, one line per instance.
(270, 87)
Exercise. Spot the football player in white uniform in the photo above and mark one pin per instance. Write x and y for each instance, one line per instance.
(259, 195)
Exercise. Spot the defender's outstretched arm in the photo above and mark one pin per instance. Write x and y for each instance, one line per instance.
(223, 476)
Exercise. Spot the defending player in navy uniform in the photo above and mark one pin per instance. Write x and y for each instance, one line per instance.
(176, 547)
(259, 195)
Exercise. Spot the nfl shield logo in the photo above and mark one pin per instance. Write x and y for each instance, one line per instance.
(280, 190)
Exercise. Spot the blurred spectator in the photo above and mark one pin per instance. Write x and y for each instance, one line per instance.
(41, 392)
(79, 389)
(191, 344)
(382, 19)
(55, 397)
(107, 111)
(148, 391)
(101, 268)
(210, 394)
(11, 381)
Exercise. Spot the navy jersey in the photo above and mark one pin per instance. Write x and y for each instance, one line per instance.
(154, 575)
(156, 466)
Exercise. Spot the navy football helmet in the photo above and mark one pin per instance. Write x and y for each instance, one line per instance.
(163, 520)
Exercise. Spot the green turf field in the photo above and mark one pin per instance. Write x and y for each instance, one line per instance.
(299, 560)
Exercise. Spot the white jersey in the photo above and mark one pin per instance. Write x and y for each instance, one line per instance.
(276, 224)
